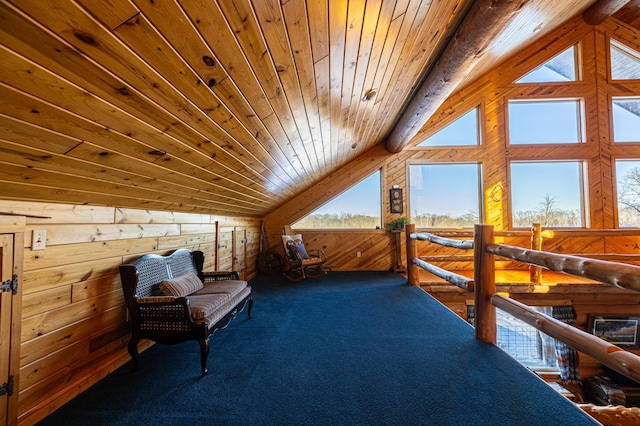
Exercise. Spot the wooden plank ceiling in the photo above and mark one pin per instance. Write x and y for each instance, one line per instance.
(225, 107)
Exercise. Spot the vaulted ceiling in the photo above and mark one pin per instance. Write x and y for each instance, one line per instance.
(232, 106)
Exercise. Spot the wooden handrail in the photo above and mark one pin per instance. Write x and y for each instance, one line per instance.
(456, 279)
(625, 363)
(486, 300)
(615, 274)
(446, 242)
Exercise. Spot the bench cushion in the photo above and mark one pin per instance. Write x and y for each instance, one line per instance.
(229, 287)
(181, 286)
(205, 305)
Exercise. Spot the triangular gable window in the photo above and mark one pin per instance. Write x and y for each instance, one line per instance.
(560, 68)
(357, 207)
(463, 131)
(625, 62)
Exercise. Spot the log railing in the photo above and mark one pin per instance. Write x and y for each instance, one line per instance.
(486, 300)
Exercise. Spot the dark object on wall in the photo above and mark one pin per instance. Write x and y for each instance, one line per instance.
(396, 200)
(623, 331)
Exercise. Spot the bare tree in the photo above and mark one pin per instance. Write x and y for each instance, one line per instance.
(629, 195)
(548, 209)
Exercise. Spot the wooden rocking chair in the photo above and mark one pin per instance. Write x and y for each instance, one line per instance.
(303, 263)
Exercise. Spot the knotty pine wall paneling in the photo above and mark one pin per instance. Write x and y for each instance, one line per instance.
(74, 321)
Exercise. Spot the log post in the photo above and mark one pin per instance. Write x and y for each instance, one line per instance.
(535, 272)
(485, 284)
(412, 253)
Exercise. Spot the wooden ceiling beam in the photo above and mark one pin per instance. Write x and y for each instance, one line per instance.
(484, 21)
(601, 10)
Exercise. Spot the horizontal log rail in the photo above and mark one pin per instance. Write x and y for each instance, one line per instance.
(414, 261)
(614, 274)
(446, 242)
(610, 355)
(486, 300)
(448, 258)
(456, 279)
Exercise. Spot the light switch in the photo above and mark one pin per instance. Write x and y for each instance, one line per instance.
(39, 240)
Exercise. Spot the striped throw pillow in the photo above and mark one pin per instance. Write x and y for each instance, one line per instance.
(181, 286)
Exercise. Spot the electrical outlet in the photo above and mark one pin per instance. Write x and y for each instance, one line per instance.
(358, 254)
(39, 240)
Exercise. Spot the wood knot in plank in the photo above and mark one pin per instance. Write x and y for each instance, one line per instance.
(85, 38)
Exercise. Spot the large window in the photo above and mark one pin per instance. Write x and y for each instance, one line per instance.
(550, 193)
(544, 121)
(560, 68)
(444, 195)
(358, 207)
(625, 62)
(628, 184)
(463, 131)
(626, 119)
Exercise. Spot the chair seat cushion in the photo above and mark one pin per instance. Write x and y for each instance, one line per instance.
(181, 286)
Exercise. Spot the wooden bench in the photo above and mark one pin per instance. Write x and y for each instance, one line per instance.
(171, 300)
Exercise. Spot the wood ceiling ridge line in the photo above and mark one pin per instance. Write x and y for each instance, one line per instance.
(482, 22)
(603, 9)
(417, 68)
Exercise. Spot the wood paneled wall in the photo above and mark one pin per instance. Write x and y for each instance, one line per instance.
(74, 329)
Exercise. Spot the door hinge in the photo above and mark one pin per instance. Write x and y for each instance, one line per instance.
(10, 285)
(7, 388)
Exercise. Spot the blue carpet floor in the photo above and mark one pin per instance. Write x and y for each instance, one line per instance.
(351, 348)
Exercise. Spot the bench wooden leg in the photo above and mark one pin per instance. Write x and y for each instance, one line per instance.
(250, 306)
(204, 354)
(133, 351)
